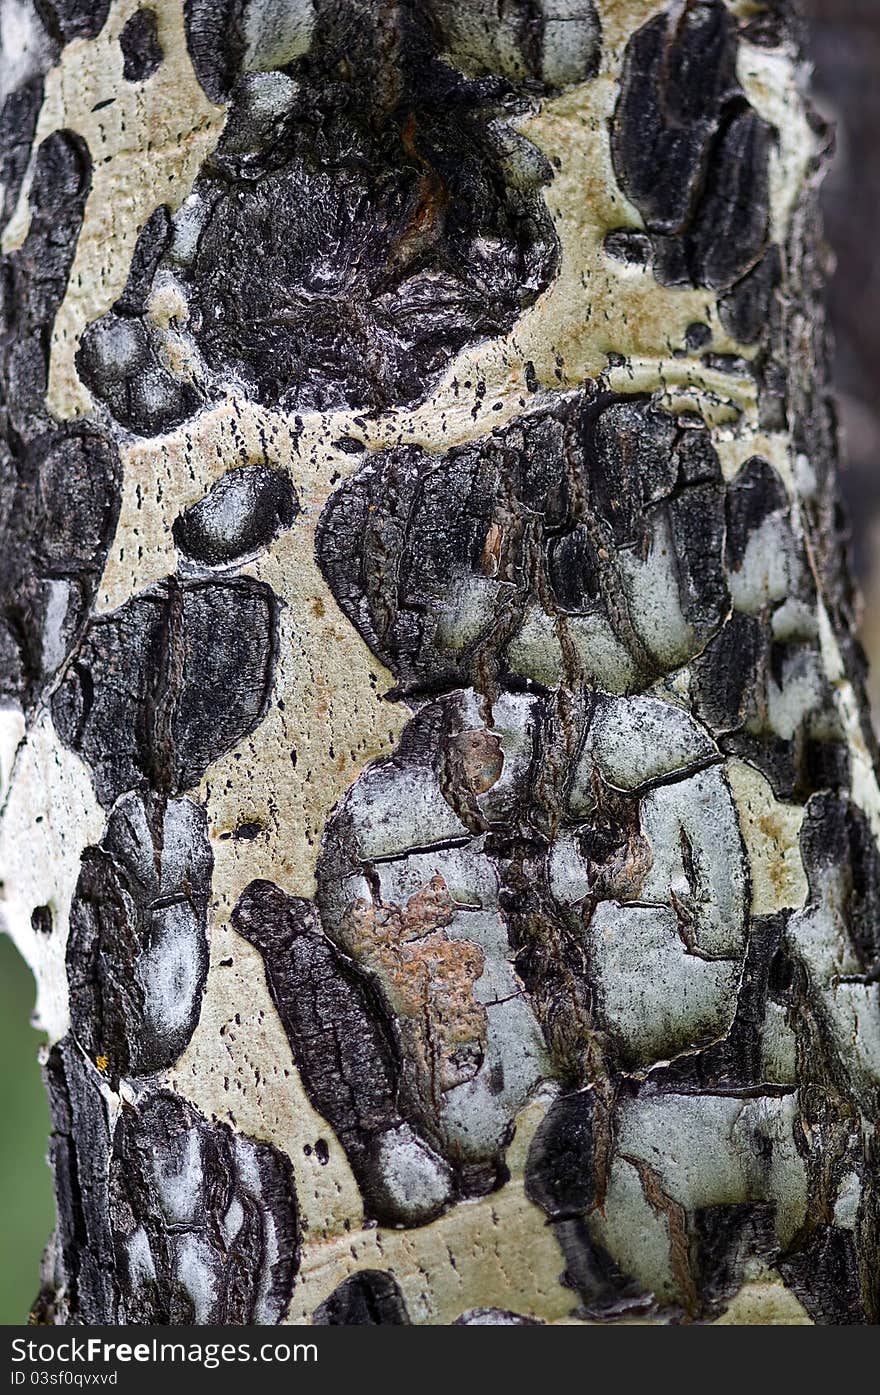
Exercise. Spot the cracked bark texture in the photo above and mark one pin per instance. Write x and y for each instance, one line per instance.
(440, 807)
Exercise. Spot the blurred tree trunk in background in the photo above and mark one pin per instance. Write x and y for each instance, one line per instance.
(845, 47)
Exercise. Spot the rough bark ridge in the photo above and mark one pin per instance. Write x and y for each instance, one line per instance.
(435, 761)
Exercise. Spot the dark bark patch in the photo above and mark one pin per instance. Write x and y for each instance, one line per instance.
(689, 151)
(760, 683)
(724, 673)
(141, 50)
(527, 46)
(118, 361)
(216, 42)
(773, 25)
(724, 1240)
(837, 842)
(823, 1272)
(755, 495)
(137, 954)
(74, 19)
(344, 1043)
(193, 1224)
(604, 1292)
(561, 1168)
(78, 1151)
(36, 40)
(741, 671)
(18, 123)
(413, 223)
(697, 336)
(151, 245)
(59, 501)
(675, 82)
(168, 683)
(456, 568)
(370, 1298)
(204, 1220)
(118, 356)
(42, 921)
(59, 483)
(745, 309)
(337, 314)
(35, 277)
(240, 515)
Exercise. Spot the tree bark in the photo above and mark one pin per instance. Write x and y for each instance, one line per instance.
(440, 805)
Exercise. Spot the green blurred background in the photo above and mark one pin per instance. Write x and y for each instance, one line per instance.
(27, 1213)
(846, 47)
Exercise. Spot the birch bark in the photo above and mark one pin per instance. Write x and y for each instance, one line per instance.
(440, 808)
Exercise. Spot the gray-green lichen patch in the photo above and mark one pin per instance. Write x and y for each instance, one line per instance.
(656, 994)
(698, 860)
(640, 740)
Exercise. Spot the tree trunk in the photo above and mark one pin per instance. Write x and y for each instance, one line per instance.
(440, 807)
